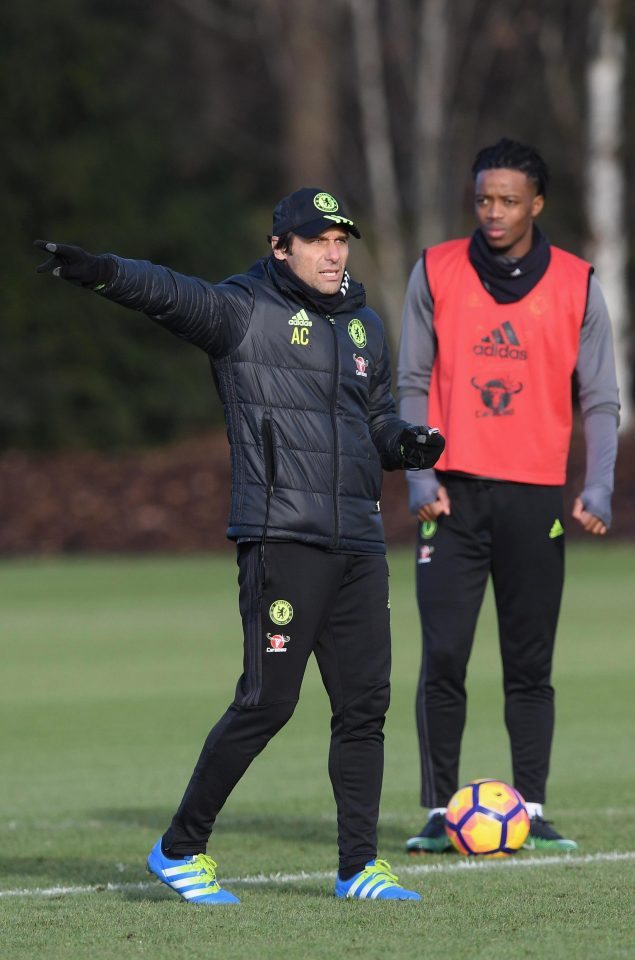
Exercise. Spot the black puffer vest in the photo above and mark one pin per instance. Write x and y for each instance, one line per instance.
(307, 401)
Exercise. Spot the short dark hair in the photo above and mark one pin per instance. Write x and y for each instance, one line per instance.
(282, 243)
(512, 155)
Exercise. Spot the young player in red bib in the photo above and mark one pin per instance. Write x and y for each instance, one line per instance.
(495, 326)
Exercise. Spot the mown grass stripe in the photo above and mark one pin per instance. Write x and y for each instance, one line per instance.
(275, 879)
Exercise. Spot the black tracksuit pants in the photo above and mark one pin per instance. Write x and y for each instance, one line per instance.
(506, 530)
(309, 601)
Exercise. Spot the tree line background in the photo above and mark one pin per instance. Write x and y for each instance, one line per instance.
(168, 130)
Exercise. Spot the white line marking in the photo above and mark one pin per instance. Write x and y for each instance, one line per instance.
(461, 866)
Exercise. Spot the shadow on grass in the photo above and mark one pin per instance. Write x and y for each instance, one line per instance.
(318, 890)
(279, 827)
(62, 871)
(57, 870)
(318, 830)
(61, 876)
(156, 819)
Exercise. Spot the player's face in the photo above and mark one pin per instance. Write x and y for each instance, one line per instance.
(319, 261)
(506, 206)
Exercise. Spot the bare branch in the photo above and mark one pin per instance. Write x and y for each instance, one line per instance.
(559, 81)
(429, 120)
(379, 156)
(606, 182)
(217, 17)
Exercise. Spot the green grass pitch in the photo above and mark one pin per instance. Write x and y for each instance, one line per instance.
(114, 669)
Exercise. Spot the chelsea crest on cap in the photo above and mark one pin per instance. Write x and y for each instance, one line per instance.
(308, 212)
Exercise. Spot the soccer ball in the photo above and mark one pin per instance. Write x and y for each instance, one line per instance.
(487, 818)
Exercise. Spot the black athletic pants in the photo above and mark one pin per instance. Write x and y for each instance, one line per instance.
(310, 601)
(508, 530)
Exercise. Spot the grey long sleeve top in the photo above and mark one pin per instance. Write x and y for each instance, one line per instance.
(597, 388)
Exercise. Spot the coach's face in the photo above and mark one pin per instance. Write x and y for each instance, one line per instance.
(318, 261)
(507, 204)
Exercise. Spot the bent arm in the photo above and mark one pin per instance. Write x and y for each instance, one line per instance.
(599, 404)
(385, 426)
(417, 352)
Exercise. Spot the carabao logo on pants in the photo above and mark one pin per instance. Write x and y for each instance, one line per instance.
(277, 643)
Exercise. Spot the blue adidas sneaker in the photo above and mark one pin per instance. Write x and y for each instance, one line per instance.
(193, 878)
(374, 882)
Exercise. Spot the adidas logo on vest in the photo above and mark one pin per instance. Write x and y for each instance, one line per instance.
(503, 343)
(300, 319)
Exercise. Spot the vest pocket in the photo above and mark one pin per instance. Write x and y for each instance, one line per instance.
(268, 452)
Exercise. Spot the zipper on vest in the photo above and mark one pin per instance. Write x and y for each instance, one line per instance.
(269, 457)
(336, 457)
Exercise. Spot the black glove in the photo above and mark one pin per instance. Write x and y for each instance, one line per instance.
(420, 447)
(76, 265)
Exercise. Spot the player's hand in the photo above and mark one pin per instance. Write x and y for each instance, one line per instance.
(430, 511)
(71, 263)
(421, 447)
(588, 521)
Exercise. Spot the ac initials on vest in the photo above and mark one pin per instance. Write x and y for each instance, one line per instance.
(300, 335)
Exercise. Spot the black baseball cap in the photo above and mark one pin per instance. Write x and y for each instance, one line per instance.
(308, 211)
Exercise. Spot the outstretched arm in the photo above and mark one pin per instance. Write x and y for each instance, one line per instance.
(214, 317)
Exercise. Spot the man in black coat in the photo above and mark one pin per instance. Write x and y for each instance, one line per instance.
(302, 367)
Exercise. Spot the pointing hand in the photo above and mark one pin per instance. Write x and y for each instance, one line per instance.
(79, 267)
